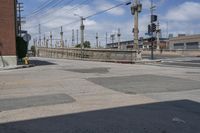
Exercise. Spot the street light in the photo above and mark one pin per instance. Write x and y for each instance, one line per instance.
(82, 27)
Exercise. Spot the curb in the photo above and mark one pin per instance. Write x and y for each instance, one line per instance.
(148, 61)
(17, 67)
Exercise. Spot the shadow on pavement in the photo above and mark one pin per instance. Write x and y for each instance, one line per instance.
(41, 63)
(181, 116)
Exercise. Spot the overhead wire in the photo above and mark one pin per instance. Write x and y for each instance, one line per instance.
(67, 10)
(47, 11)
(41, 8)
(92, 15)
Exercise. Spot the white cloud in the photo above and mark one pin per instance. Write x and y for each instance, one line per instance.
(182, 19)
(146, 4)
(188, 11)
(63, 16)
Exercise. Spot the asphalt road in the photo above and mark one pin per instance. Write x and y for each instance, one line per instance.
(67, 96)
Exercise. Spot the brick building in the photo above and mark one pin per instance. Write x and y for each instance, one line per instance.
(7, 33)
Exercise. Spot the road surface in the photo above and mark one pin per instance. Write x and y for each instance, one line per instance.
(71, 96)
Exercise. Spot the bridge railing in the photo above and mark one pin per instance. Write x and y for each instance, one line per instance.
(107, 55)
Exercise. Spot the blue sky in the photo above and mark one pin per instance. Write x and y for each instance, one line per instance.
(175, 16)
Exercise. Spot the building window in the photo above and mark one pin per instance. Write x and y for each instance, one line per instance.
(192, 45)
(179, 46)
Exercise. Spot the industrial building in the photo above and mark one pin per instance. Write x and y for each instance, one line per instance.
(181, 42)
(143, 44)
(185, 42)
(8, 33)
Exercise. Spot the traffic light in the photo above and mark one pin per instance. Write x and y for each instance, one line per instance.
(149, 29)
(153, 27)
(151, 39)
(154, 18)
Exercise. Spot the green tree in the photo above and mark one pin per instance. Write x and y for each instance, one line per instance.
(86, 44)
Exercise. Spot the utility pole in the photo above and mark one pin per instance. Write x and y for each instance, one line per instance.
(73, 38)
(82, 27)
(77, 32)
(136, 8)
(167, 29)
(51, 45)
(106, 38)
(39, 35)
(158, 35)
(119, 35)
(99, 44)
(66, 44)
(19, 18)
(44, 40)
(112, 36)
(61, 39)
(97, 40)
(47, 43)
(34, 42)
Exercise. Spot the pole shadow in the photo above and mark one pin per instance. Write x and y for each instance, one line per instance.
(182, 116)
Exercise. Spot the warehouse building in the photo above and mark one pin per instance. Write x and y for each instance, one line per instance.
(144, 43)
(185, 42)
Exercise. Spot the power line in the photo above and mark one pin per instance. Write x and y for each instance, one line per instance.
(50, 20)
(97, 13)
(49, 12)
(43, 6)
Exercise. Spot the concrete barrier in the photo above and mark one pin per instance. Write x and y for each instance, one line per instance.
(8, 61)
(106, 55)
(177, 53)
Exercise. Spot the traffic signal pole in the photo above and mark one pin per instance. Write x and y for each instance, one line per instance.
(152, 57)
(152, 36)
(82, 27)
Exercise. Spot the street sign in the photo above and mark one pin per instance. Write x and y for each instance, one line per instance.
(27, 37)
